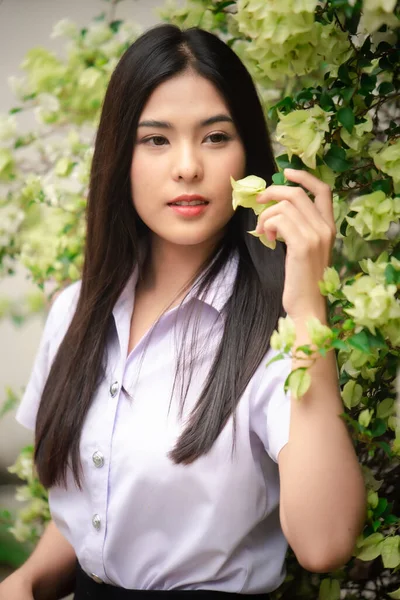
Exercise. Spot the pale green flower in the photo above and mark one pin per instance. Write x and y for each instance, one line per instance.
(7, 164)
(21, 531)
(245, 191)
(376, 269)
(65, 28)
(388, 161)
(375, 212)
(319, 333)
(19, 86)
(44, 71)
(359, 137)
(330, 282)
(63, 167)
(23, 467)
(47, 109)
(284, 338)
(32, 188)
(392, 331)
(97, 34)
(264, 240)
(283, 36)
(373, 499)
(11, 217)
(8, 127)
(333, 46)
(365, 416)
(111, 48)
(302, 132)
(351, 394)
(128, 32)
(376, 13)
(90, 77)
(374, 305)
(299, 382)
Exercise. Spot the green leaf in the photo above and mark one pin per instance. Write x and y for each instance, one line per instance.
(336, 164)
(391, 552)
(368, 82)
(10, 402)
(383, 185)
(278, 178)
(326, 102)
(283, 161)
(347, 93)
(385, 408)
(339, 344)
(370, 548)
(12, 111)
(394, 595)
(306, 349)
(343, 74)
(386, 448)
(298, 382)
(304, 96)
(381, 507)
(275, 358)
(378, 428)
(115, 25)
(377, 340)
(359, 341)
(346, 117)
(376, 525)
(329, 590)
(386, 88)
(392, 275)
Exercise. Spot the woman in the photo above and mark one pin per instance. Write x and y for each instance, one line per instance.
(175, 463)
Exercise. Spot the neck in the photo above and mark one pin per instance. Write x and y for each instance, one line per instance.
(170, 267)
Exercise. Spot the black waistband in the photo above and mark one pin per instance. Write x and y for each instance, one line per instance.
(87, 588)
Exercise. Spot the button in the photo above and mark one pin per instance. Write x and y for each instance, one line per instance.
(95, 578)
(98, 459)
(114, 389)
(96, 522)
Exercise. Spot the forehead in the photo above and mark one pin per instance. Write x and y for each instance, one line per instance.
(187, 95)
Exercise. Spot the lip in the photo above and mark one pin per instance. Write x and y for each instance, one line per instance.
(188, 198)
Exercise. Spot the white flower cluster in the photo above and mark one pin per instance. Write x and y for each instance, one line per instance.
(284, 40)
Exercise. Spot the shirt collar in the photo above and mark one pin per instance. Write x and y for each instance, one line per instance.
(216, 296)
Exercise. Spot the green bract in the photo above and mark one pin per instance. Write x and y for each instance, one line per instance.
(245, 191)
(302, 133)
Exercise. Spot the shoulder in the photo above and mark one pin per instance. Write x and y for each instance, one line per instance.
(271, 372)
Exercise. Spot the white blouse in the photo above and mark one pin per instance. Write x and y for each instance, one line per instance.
(141, 521)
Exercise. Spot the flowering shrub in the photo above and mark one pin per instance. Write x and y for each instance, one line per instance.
(328, 74)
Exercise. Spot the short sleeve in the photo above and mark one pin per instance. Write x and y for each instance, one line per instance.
(270, 405)
(56, 325)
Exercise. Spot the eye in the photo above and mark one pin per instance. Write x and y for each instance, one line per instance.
(218, 137)
(155, 140)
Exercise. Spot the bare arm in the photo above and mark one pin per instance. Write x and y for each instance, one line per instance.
(323, 498)
(50, 570)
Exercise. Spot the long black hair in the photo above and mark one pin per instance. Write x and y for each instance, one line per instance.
(114, 235)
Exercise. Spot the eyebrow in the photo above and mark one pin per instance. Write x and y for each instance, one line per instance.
(167, 125)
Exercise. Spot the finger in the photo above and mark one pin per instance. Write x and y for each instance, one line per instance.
(321, 191)
(287, 229)
(291, 212)
(296, 197)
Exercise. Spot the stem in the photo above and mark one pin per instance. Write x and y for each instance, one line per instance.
(111, 12)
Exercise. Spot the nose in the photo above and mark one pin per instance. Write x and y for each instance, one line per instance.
(187, 165)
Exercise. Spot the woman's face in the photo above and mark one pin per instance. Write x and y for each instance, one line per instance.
(186, 149)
